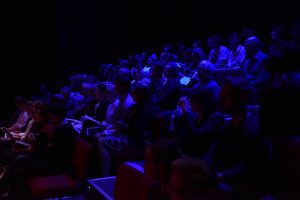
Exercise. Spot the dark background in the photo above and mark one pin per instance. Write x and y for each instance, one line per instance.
(46, 40)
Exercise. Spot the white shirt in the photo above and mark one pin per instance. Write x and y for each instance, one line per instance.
(236, 56)
(118, 110)
(21, 121)
(217, 56)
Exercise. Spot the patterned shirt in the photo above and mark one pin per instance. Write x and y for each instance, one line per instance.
(236, 56)
(118, 110)
(219, 56)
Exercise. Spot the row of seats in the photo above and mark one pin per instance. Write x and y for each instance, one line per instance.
(130, 183)
(64, 184)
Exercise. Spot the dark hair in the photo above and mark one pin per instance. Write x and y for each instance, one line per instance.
(57, 109)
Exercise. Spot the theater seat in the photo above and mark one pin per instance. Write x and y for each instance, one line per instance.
(64, 184)
(45, 187)
(143, 188)
(128, 178)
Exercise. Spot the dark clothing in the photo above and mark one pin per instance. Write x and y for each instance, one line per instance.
(140, 125)
(155, 85)
(239, 153)
(86, 108)
(100, 115)
(277, 49)
(195, 138)
(167, 96)
(61, 147)
(101, 110)
(23, 167)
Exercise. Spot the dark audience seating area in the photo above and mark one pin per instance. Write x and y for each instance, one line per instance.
(210, 120)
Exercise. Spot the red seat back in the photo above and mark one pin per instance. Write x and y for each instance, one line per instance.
(129, 176)
(144, 187)
(81, 158)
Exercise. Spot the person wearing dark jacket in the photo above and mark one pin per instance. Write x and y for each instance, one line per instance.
(167, 96)
(197, 129)
(140, 122)
(237, 157)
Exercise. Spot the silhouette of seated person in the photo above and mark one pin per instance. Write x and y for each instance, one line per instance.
(218, 54)
(198, 125)
(253, 66)
(167, 96)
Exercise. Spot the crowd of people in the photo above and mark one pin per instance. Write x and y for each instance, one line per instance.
(211, 124)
